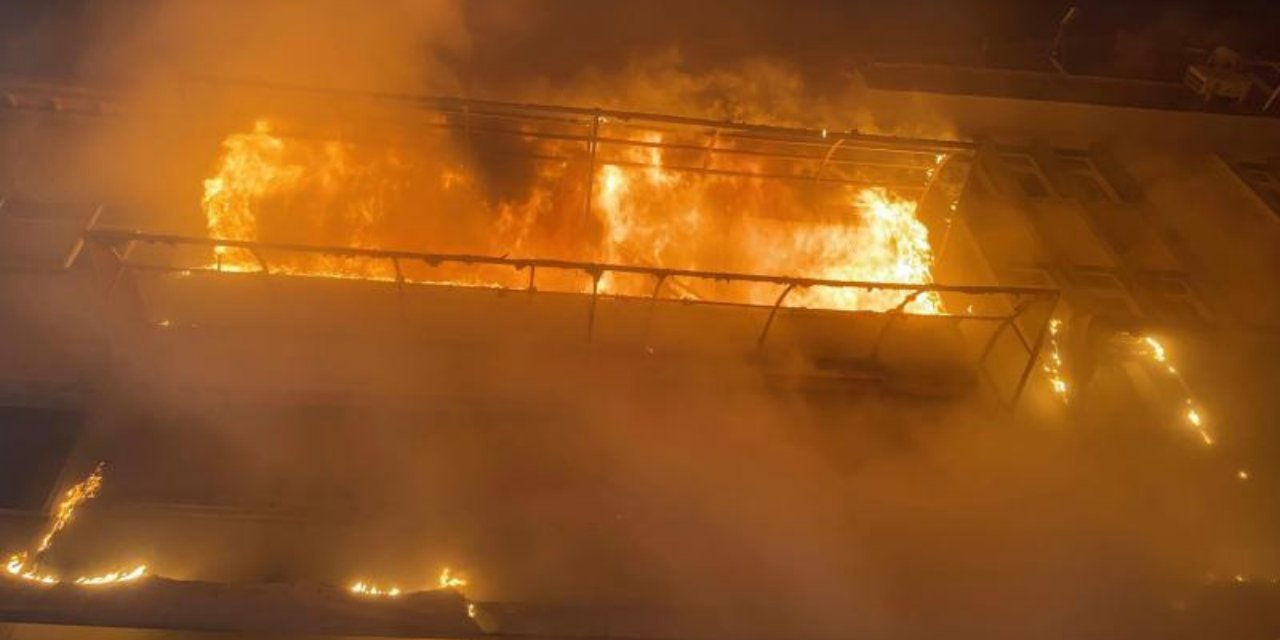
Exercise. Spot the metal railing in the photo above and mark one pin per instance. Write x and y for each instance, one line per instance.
(120, 245)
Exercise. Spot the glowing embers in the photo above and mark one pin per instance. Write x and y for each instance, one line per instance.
(1053, 366)
(446, 580)
(729, 217)
(25, 566)
(1190, 412)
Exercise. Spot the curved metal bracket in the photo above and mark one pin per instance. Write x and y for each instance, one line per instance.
(653, 303)
(772, 312)
(395, 263)
(893, 314)
(827, 158)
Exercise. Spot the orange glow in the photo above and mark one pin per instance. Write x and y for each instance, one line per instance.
(449, 581)
(270, 187)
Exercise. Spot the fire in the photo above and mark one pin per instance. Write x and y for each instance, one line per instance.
(1054, 367)
(115, 576)
(74, 497)
(1154, 350)
(17, 568)
(446, 580)
(267, 186)
(449, 581)
(363, 588)
(25, 567)
(252, 168)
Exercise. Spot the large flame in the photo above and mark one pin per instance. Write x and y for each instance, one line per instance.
(270, 187)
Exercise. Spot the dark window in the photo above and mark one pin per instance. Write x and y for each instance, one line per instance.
(1090, 185)
(1027, 174)
(1170, 296)
(1101, 290)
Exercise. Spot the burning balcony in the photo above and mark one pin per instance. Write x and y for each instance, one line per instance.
(563, 233)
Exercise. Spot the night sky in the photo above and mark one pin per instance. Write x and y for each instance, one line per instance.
(553, 39)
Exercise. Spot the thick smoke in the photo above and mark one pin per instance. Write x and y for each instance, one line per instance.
(546, 478)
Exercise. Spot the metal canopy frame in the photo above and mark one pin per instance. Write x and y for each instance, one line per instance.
(801, 154)
(113, 257)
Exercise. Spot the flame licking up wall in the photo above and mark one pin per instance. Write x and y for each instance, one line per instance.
(24, 566)
(270, 187)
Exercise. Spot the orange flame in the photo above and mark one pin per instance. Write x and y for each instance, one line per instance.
(74, 497)
(641, 213)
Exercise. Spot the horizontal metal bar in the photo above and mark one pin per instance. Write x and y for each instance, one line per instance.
(672, 146)
(482, 107)
(765, 176)
(116, 236)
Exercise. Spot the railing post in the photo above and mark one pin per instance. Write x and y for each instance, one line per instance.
(591, 163)
(395, 262)
(653, 302)
(591, 310)
(893, 314)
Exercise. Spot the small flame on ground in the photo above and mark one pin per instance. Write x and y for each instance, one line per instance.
(369, 589)
(114, 577)
(446, 580)
(25, 567)
(17, 568)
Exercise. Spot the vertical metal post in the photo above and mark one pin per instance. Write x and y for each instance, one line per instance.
(395, 262)
(893, 315)
(711, 147)
(591, 164)
(817, 173)
(591, 311)
(1035, 351)
(653, 302)
(78, 247)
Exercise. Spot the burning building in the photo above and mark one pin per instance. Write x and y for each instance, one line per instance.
(289, 359)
